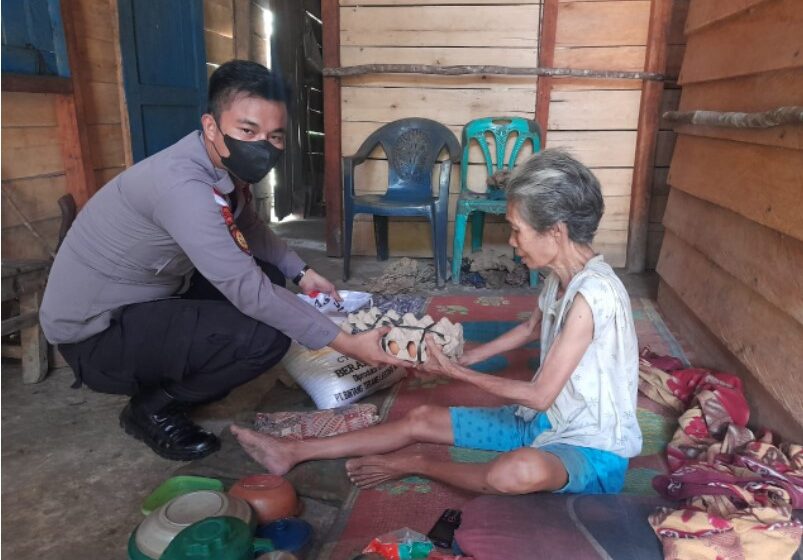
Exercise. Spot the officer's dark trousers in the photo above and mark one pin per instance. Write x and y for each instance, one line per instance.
(197, 347)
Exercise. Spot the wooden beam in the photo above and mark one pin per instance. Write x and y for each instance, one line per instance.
(32, 340)
(19, 322)
(646, 140)
(733, 119)
(71, 113)
(546, 58)
(242, 29)
(12, 351)
(23, 277)
(492, 70)
(333, 190)
(78, 170)
(36, 84)
(125, 124)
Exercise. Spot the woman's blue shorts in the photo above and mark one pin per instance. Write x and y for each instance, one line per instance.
(591, 471)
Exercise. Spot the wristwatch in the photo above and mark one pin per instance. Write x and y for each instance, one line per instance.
(301, 274)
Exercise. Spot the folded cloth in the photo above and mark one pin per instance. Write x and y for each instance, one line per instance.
(665, 363)
(738, 491)
(695, 532)
(716, 411)
(321, 423)
(654, 384)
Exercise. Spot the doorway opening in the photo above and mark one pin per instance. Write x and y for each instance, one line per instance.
(292, 30)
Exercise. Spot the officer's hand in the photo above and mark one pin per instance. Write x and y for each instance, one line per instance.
(314, 282)
(365, 347)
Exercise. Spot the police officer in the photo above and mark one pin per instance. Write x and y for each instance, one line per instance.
(170, 289)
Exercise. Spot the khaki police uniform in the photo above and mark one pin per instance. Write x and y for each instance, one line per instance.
(117, 302)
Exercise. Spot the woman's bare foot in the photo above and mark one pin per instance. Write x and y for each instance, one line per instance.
(272, 453)
(372, 470)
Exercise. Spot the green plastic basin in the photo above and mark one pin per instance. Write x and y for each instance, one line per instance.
(177, 486)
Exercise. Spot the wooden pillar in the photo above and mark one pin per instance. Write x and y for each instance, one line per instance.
(78, 167)
(546, 59)
(330, 15)
(125, 123)
(32, 341)
(646, 139)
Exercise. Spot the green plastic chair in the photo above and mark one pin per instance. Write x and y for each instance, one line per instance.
(477, 204)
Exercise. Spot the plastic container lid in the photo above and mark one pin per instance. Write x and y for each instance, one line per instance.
(135, 553)
(287, 533)
(277, 555)
(216, 538)
(162, 525)
(177, 486)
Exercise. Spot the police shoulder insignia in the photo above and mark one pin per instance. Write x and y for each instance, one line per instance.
(235, 232)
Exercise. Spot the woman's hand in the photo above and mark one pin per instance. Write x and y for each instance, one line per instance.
(314, 282)
(437, 364)
(365, 347)
(469, 357)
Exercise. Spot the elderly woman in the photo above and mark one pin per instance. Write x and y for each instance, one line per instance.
(573, 427)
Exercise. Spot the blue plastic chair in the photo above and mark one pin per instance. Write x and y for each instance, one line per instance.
(477, 204)
(412, 147)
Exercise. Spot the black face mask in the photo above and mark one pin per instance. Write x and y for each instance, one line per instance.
(250, 161)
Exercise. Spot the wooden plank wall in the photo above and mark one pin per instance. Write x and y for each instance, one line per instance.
(260, 49)
(221, 31)
(218, 32)
(596, 120)
(32, 165)
(593, 119)
(473, 32)
(32, 173)
(731, 265)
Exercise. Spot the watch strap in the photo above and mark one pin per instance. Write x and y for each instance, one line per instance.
(301, 274)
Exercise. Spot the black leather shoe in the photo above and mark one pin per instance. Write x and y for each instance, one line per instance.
(169, 432)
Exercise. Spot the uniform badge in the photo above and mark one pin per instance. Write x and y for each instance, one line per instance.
(228, 217)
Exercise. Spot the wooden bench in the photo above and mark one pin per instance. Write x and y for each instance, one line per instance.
(24, 280)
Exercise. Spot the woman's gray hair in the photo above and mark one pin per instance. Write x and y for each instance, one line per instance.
(553, 187)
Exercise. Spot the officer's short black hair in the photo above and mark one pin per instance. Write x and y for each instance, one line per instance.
(244, 76)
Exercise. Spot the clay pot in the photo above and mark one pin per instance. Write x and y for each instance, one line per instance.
(271, 496)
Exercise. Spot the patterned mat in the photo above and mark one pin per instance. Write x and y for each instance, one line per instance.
(416, 502)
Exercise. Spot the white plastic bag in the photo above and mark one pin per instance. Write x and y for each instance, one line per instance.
(326, 304)
(334, 380)
(329, 377)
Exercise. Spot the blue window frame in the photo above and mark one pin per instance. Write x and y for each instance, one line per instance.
(33, 38)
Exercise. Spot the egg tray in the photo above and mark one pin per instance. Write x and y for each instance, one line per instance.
(406, 337)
